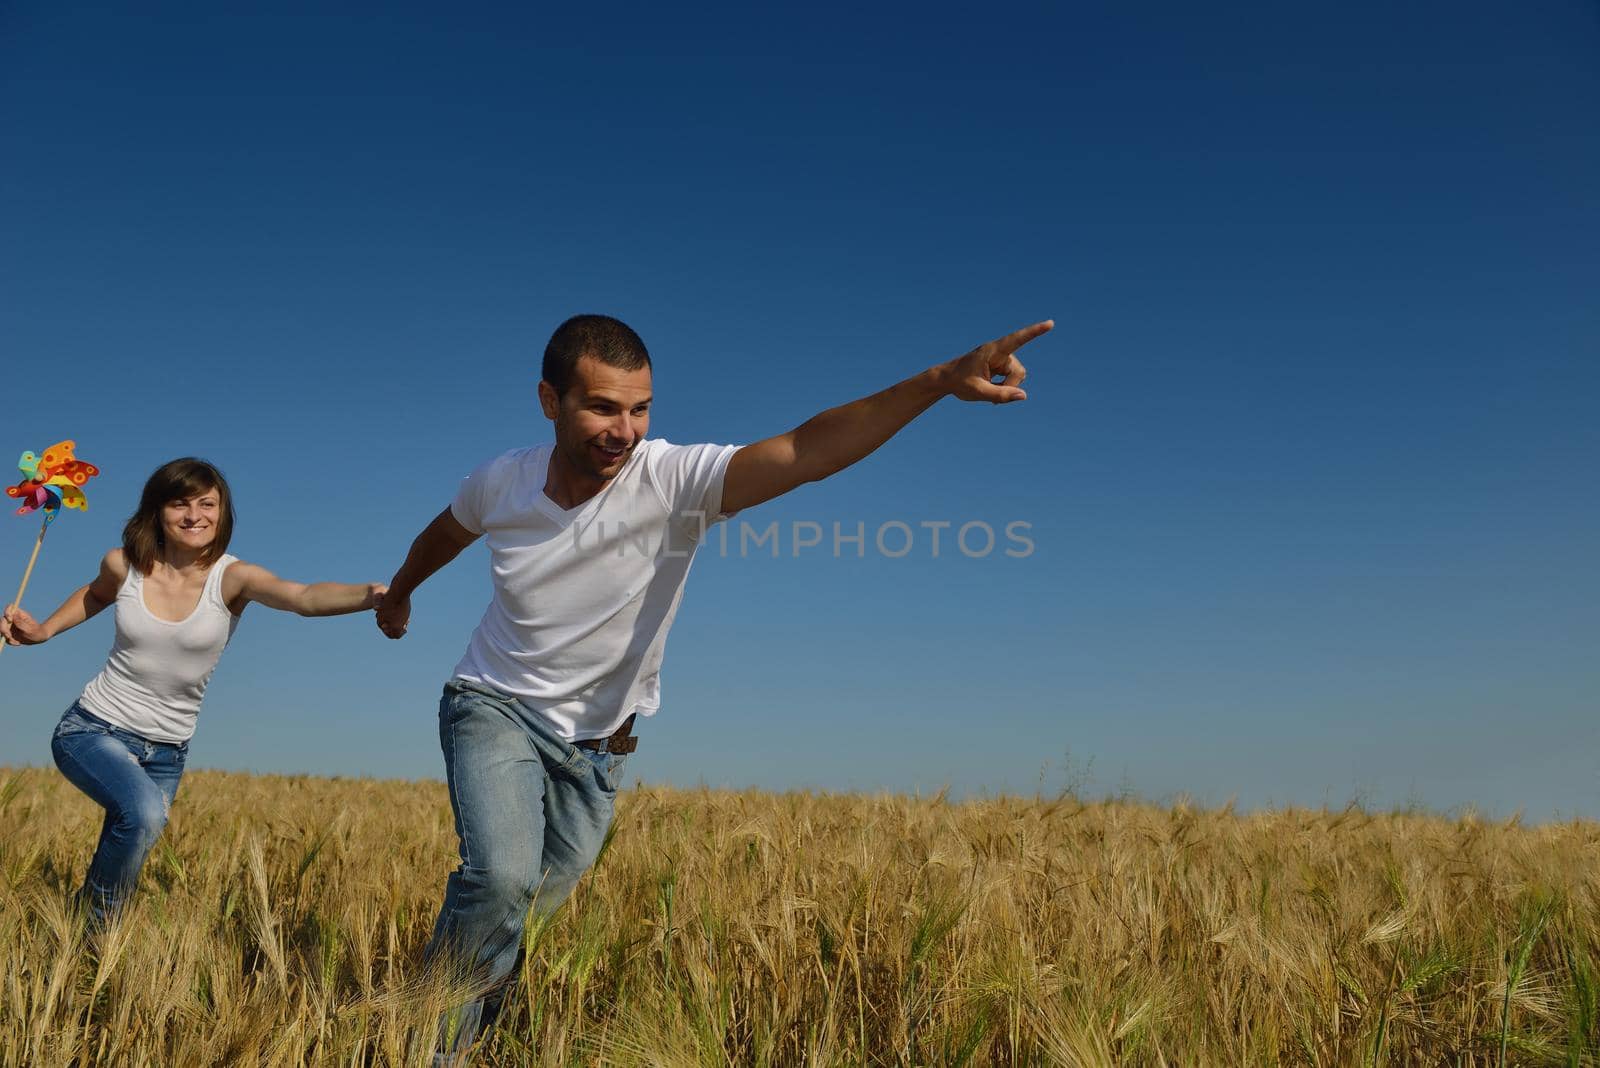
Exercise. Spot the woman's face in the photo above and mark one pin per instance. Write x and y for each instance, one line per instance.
(191, 522)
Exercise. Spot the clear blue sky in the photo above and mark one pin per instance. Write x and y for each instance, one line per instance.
(1309, 460)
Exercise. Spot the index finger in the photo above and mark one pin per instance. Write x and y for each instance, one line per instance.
(1018, 338)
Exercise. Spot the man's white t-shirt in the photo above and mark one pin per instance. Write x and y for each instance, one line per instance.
(583, 597)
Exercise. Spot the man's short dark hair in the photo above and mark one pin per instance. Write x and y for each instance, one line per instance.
(611, 341)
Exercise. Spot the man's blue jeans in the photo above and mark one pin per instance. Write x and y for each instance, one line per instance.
(135, 781)
(532, 811)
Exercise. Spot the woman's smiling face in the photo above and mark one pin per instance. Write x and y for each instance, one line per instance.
(191, 522)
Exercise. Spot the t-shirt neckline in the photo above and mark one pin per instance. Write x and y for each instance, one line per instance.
(542, 501)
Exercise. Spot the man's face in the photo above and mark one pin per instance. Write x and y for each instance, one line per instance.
(604, 414)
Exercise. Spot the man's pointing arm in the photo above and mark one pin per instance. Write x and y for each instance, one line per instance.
(828, 443)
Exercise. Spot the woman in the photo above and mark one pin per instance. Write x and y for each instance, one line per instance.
(178, 597)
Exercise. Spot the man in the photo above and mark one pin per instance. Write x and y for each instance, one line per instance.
(590, 542)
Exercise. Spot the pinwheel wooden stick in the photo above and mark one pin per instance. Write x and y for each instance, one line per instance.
(26, 575)
(53, 480)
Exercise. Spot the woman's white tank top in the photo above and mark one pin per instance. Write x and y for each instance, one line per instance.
(157, 672)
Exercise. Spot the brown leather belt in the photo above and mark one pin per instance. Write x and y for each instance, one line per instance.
(620, 741)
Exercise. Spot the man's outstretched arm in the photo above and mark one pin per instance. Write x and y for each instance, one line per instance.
(440, 542)
(828, 443)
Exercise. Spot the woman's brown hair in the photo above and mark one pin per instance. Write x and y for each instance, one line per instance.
(177, 480)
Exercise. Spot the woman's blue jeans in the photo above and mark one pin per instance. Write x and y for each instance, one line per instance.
(532, 811)
(134, 780)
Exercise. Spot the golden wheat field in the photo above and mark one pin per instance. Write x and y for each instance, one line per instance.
(281, 920)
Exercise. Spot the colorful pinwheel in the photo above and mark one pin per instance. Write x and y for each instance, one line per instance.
(53, 480)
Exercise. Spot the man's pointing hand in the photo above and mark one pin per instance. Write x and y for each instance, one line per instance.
(972, 377)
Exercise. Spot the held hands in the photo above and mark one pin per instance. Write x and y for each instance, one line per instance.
(375, 592)
(17, 627)
(393, 615)
(972, 377)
